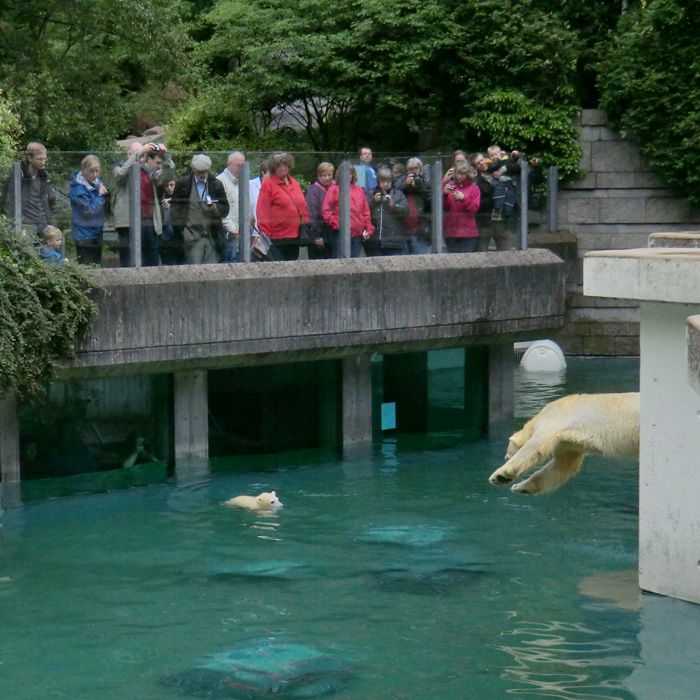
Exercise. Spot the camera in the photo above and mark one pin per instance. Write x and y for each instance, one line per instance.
(417, 179)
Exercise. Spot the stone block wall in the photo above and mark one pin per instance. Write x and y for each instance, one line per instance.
(617, 204)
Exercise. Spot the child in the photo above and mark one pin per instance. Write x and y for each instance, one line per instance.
(505, 194)
(387, 206)
(50, 249)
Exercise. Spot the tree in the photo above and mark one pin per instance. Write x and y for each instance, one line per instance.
(648, 77)
(72, 66)
(10, 131)
(385, 73)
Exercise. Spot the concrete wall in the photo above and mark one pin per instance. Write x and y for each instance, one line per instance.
(171, 319)
(616, 205)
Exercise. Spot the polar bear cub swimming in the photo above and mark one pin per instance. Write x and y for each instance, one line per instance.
(569, 429)
(265, 501)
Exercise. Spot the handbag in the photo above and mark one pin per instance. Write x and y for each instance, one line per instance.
(264, 249)
(306, 235)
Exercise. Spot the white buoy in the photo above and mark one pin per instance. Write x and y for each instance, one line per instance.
(543, 356)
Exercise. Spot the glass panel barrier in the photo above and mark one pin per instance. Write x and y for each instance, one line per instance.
(161, 208)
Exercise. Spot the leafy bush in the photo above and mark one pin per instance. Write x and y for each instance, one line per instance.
(515, 121)
(44, 308)
(648, 81)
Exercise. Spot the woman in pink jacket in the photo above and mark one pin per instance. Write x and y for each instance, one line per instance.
(460, 201)
(361, 226)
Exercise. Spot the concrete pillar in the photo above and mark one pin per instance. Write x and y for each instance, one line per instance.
(9, 438)
(406, 384)
(476, 392)
(500, 389)
(191, 415)
(357, 400)
(669, 478)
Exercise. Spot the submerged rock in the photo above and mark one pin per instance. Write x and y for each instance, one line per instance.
(434, 582)
(266, 569)
(409, 535)
(264, 668)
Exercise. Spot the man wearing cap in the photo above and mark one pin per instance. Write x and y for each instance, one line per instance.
(199, 205)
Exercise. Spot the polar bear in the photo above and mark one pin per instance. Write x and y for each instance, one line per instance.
(265, 501)
(569, 429)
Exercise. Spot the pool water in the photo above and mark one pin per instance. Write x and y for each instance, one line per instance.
(403, 575)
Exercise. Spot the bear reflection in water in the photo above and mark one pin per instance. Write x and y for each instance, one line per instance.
(264, 668)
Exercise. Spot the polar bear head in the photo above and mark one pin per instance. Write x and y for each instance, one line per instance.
(269, 501)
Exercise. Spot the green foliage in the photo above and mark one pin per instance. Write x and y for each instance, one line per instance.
(72, 67)
(43, 309)
(511, 120)
(10, 131)
(384, 73)
(648, 76)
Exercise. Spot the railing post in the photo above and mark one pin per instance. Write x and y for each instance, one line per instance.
(436, 206)
(524, 202)
(135, 215)
(244, 212)
(552, 196)
(17, 183)
(344, 208)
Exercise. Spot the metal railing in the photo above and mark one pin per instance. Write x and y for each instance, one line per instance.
(63, 165)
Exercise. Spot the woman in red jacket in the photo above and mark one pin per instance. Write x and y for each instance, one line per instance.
(361, 226)
(460, 201)
(281, 206)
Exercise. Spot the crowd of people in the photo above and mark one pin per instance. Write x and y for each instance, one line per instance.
(194, 218)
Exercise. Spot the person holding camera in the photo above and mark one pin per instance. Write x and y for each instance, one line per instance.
(416, 224)
(388, 207)
(460, 200)
(360, 223)
(199, 205)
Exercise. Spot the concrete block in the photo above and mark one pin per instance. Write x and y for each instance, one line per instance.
(593, 117)
(609, 135)
(357, 400)
(594, 241)
(614, 156)
(599, 345)
(619, 328)
(629, 241)
(627, 345)
(622, 210)
(587, 182)
(648, 179)
(588, 133)
(615, 180)
(667, 210)
(675, 240)
(586, 157)
(583, 211)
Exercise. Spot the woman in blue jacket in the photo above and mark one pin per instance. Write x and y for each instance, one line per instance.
(89, 202)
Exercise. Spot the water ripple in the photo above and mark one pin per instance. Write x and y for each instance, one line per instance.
(566, 660)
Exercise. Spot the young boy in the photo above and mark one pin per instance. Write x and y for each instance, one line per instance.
(50, 249)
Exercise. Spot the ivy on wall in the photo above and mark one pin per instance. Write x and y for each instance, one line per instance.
(44, 309)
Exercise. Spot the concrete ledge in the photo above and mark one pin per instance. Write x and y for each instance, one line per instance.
(645, 274)
(684, 239)
(173, 318)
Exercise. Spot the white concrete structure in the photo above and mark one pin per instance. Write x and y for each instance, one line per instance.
(667, 283)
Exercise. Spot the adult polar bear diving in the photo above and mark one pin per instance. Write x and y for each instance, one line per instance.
(569, 429)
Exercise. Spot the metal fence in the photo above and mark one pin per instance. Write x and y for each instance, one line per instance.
(62, 166)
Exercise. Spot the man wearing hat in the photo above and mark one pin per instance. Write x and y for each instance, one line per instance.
(199, 205)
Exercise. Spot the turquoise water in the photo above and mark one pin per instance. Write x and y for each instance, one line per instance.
(404, 575)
